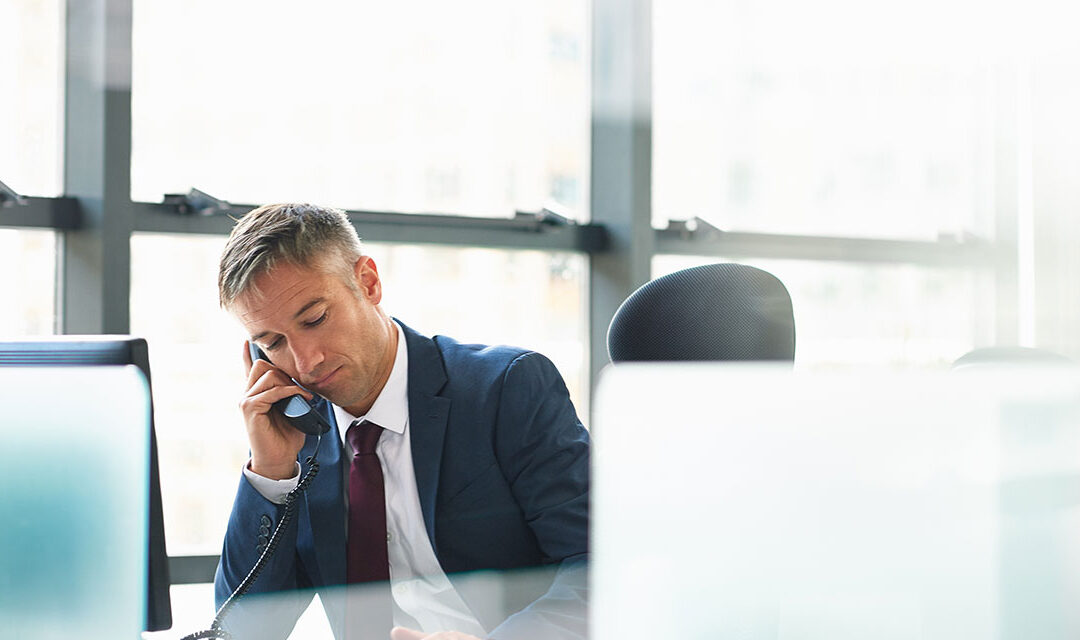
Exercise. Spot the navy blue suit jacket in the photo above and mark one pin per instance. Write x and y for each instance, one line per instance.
(502, 469)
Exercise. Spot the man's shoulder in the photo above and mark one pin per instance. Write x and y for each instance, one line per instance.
(463, 355)
(473, 365)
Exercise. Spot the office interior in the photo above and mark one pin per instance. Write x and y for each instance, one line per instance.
(907, 170)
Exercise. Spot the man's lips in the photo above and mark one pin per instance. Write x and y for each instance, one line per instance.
(321, 381)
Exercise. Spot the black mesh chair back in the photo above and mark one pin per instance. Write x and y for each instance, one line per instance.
(711, 312)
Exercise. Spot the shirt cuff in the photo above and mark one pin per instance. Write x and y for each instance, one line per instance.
(273, 490)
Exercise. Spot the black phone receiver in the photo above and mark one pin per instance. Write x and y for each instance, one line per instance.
(300, 413)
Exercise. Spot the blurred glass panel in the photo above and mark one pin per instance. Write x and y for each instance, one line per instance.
(29, 292)
(528, 298)
(841, 117)
(192, 604)
(478, 108)
(31, 65)
(887, 315)
(193, 610)
(840, 505)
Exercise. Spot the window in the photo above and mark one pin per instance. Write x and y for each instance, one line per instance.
(29, 291)
(878, 315)
(195, 361)
(413, 106)
(532, 299)
(31, 59)
(839, 118)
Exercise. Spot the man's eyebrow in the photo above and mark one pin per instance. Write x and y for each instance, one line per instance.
(308, 306)
(263, 334)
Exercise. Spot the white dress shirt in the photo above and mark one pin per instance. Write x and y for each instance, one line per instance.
(419, 586)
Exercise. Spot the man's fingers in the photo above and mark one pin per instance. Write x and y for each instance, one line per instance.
(263, 375)
(273, 378)
(272, 395)
(247, 358)
(267, 379)
(258, 369)
(402, 633)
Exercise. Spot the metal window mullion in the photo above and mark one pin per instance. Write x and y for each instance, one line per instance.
(94, 261)
(621, 162)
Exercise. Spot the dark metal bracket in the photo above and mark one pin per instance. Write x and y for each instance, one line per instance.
(9, 197)
(196, 202)
(693, 228)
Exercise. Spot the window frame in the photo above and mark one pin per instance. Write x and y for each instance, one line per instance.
(96, 217)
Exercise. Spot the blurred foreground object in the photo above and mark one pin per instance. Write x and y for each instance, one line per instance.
(73, 547)
(861, 504)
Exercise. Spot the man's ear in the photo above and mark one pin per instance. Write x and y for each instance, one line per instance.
(366, 276)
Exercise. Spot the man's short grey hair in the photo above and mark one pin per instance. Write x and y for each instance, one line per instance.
(304, 235)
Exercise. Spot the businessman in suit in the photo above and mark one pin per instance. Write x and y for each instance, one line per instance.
(444, 457)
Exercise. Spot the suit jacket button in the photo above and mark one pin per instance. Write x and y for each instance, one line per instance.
(263, 540)
(264, 530)
(265, 521)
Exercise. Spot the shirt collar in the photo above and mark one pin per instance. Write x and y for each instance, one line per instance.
(391, 408)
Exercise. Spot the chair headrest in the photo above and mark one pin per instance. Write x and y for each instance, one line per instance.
(711, 312)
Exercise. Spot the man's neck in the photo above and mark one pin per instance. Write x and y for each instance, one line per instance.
(389, 357)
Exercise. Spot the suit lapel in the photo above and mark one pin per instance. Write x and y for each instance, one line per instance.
(428, 415)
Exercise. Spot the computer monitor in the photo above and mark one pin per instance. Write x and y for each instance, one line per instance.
(58, 351)
(76, 447)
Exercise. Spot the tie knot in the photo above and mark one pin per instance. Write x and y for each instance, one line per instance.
(363, 436)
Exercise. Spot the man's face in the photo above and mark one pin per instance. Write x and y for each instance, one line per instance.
(330, 337)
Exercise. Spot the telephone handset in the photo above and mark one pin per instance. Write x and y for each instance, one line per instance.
(300, 413)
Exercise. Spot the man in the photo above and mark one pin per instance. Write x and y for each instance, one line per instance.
(480, 461)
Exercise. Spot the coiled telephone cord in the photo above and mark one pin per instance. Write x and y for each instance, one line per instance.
(215, 630)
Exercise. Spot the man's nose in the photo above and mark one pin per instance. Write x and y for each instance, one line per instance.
(307, 355)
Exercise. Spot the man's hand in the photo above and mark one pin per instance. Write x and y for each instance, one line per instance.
(274, 442)
(401, 633)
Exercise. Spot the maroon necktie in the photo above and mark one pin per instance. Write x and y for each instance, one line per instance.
(366, 555)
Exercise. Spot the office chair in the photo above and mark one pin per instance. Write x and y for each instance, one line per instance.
(711, 312)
